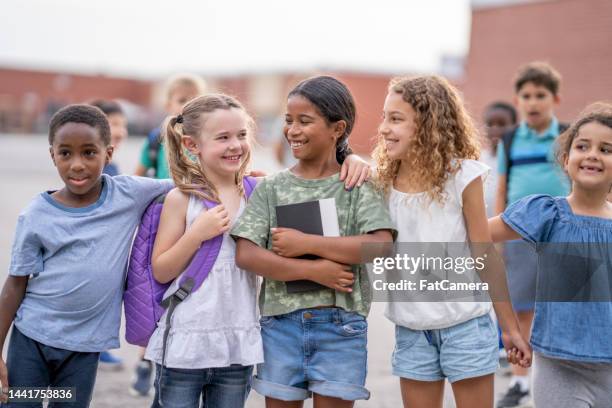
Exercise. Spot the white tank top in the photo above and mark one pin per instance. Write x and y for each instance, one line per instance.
(217, 325)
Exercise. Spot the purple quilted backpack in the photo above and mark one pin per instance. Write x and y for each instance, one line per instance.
(143, 294)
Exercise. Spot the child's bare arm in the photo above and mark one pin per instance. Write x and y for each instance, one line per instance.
(10, 299)
(174, 246)
(253, 258)
(500, 231)
(290, 243)
(502, 191)
(494, 273)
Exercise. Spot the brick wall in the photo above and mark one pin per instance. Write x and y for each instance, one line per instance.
(575, 36)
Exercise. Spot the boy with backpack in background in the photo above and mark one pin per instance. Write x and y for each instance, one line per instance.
(68, 261)
(526, 165)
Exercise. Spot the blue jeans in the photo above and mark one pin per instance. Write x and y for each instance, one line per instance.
(226, 387)
(32, 364)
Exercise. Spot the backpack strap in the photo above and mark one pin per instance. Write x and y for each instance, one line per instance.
(249, 184)
(507, 140)
(205, 258)
(196, 273)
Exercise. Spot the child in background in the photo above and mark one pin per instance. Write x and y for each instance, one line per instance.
(314, 342)
(179, 90)
(118, 133)
(499, 118)
(571, 339)
(67, 270)
(526, 165)
(118, 129)
(426, 163)
(214, 341)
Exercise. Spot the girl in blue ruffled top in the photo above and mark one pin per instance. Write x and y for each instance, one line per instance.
(572, 328)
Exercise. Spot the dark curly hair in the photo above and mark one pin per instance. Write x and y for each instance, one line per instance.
(81, 113)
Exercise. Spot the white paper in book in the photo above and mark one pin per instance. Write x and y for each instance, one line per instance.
(329, 217)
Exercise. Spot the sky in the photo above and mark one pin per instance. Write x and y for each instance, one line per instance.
(151, 39)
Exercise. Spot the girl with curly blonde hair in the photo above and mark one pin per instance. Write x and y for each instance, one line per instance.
(427, 165)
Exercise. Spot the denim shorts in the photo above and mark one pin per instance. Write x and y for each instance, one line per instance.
(226, 387)
(466, 350)
(321, 351)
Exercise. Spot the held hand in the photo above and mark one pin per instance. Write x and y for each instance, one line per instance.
(519, 350)
(210, 223)
(333, 275)
(289, 242)
(4, 385)
(354, 172)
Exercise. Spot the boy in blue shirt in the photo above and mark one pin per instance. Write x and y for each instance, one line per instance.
(67, 270)
(526, 165)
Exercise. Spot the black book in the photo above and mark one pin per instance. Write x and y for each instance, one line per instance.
(312, 217)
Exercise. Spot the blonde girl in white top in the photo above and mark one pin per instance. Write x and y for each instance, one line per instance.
(214, 339)
(426, 163)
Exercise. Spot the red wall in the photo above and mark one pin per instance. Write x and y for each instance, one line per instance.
(575, 36)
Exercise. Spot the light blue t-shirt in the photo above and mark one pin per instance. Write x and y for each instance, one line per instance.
(533, 178)
(76, 259)
(574, 259)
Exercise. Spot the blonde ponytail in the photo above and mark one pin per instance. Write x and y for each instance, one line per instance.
(187, 174)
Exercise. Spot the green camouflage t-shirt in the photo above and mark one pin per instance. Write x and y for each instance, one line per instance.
(360, 211)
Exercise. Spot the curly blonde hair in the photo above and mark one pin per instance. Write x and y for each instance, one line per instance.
(187, 174)
(444, 132)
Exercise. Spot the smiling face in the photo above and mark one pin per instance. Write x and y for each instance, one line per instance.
(398, 126)
(223, 144)
(80, 154)
(535, 104)
(589, 162)
(309, 135)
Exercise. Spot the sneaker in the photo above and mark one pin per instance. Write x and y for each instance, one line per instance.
(110, 362)
(142, 382)
(515, 398)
